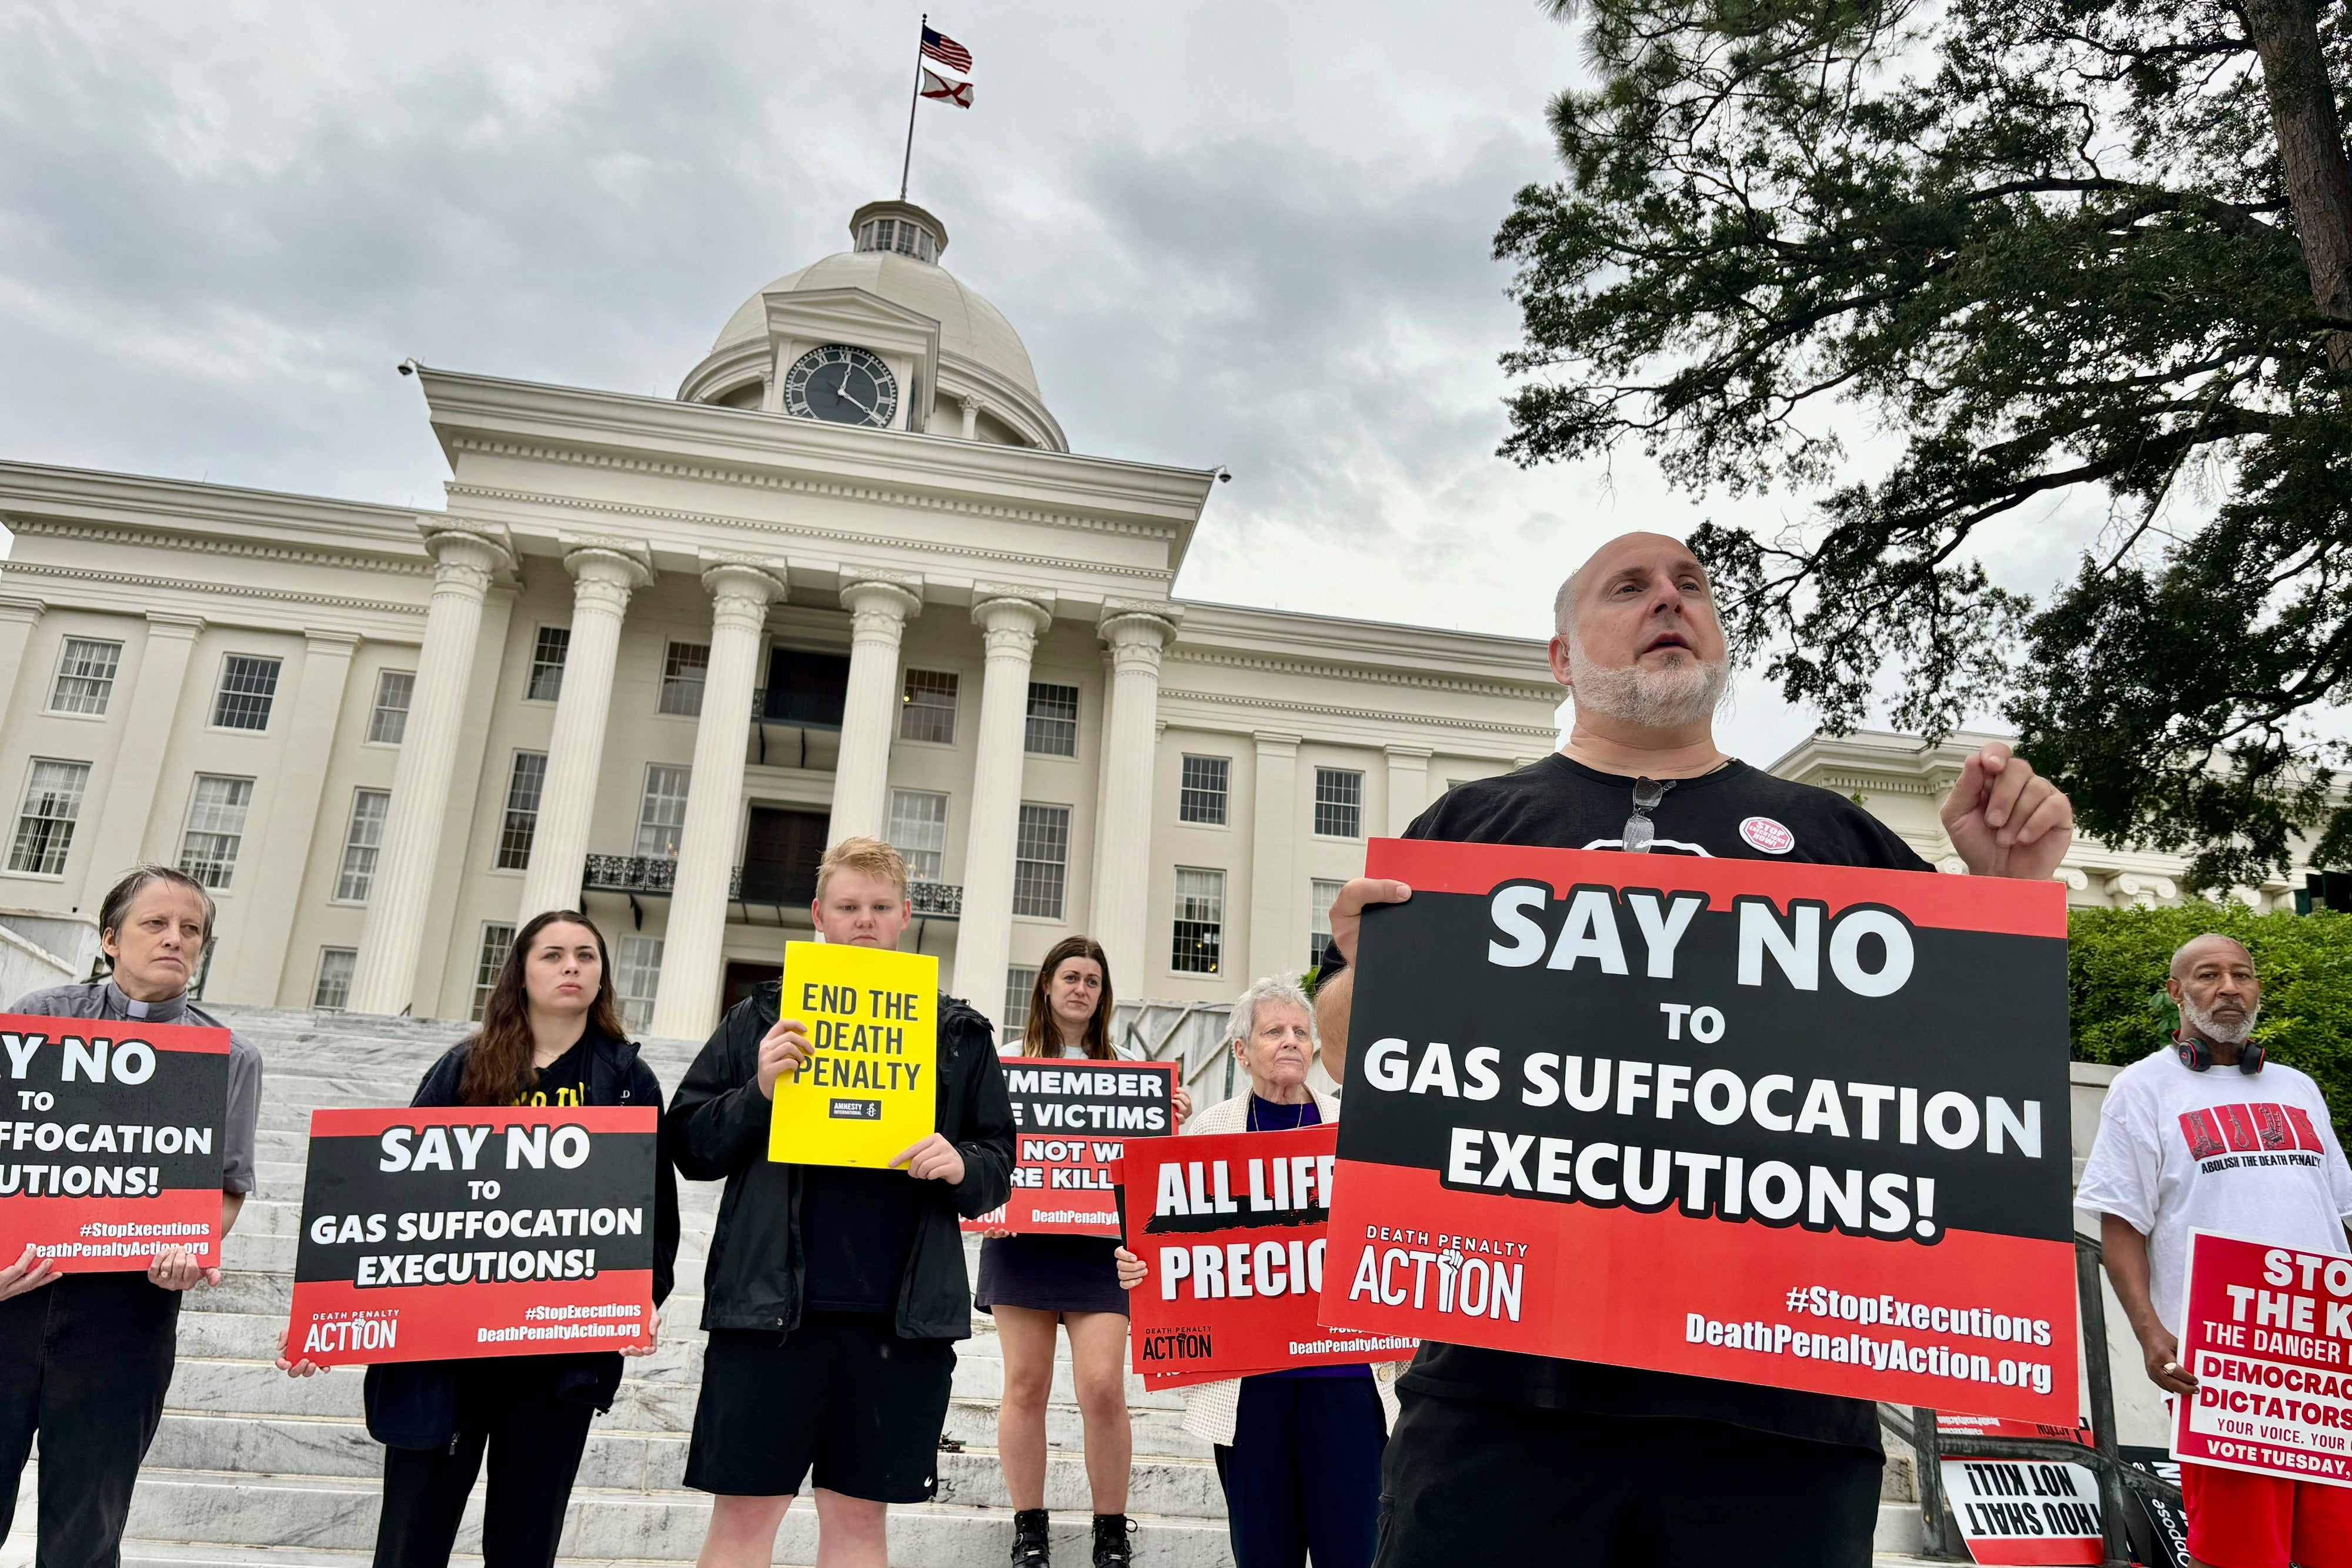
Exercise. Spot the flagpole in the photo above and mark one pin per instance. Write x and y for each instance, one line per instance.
(913, 98)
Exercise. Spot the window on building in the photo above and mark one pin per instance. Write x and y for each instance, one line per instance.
(388, 720)
(638, 979)
(1340, 802)
(547, 663)
(332, 993)
(1052, 720)
(498, 937)
(1020, 979)
(1199, 921)
(1208, 783)
(248, 686)
(1319, 894)
(1041, 860)
(363, 839)
(685, 666)
(661, 813)
(47, 815)
(928, 709)
(524, 781)
(216, 831)
(918, 831)
(85, 682)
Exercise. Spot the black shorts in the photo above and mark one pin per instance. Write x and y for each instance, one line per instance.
(842, 1394)
(1575, 1491)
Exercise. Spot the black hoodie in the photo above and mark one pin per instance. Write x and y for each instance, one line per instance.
(718, 1129)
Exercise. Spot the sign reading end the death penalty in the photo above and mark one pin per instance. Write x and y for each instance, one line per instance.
(2267, 1334)
(429, 1235)
(866, 1094)
(1782, 1123)
(1072, 1121)
(110, 1140)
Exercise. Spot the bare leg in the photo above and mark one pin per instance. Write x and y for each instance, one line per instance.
(1026, 1336)
(742, 1531)
(851, 1532)
(1098, 1362)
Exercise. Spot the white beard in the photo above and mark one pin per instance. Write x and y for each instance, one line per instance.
(1680, 694)
(2212, 1029)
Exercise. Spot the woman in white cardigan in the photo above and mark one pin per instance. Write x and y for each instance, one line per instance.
(1298, 1452)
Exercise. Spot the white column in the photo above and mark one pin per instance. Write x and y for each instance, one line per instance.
(878, 609)
(1408, 785)
(1276, 934)
(984, 937)
(602, 580)
(154, 689)
(1123, 830)
(293, 822)
(17, 619)
(385, 979)
(688, 1005)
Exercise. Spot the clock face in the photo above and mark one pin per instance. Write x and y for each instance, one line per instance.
(844, 384)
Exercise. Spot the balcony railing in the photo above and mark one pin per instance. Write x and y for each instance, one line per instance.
(769, 886)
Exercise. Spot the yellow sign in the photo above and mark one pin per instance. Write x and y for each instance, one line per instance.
(867, 1092)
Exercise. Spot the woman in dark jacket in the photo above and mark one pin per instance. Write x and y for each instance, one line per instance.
(551, 1035)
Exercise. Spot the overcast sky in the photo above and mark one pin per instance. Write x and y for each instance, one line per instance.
(1229, 233)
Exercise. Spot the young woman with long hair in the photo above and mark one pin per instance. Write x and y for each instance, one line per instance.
(551, 1035)
(1033, 1283)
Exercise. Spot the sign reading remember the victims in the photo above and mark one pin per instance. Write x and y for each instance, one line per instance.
(866, 1095)
(2267, 1334)
(110, 1140)
(475, 1231)
(1071, 1121)
(1233, 1228)
(1783, 1124)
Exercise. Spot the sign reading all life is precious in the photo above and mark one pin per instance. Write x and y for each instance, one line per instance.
(867, 1093)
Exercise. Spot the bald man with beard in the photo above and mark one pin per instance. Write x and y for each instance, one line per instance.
(1540, 1460)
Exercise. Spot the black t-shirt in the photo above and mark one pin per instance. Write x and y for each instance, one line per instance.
(1736, 811)
(563, 1081)
(858, 1226)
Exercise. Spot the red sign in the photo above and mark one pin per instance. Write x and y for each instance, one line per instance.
(2267, 1334)
(111, 1146)
(1071, 1122)
(1232, 1229)
(1730, 1118)
(434, 1234)
(1954, 1424)
(2025, 1510)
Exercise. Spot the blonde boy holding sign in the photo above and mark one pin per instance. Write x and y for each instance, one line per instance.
(836, 1288)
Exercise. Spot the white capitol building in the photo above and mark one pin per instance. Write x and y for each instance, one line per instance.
(653, 654)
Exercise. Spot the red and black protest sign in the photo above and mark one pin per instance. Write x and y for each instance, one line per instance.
(429, 1235)
(1792, 1124)
(111, 1141)
(2267, 1333)
(1071, 1123)
(1232, 1228)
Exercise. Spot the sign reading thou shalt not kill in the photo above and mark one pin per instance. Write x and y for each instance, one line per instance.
(866, 1092)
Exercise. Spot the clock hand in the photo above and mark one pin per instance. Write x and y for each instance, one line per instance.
(843, 393)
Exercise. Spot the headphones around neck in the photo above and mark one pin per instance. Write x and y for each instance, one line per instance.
(2198, 1057)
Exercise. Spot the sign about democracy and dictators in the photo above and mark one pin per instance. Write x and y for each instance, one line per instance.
(1071, 1125)
(111, 1141)
(435, 1234)
(866, 1095)
(1791, 1125)
(2266, 1330)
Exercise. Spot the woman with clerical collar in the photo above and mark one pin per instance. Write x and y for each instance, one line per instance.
(85, 1358)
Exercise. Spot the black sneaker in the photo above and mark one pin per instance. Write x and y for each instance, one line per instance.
(1112, 1547)
(1031, 1549)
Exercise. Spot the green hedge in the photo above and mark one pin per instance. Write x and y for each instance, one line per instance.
(2116, 961)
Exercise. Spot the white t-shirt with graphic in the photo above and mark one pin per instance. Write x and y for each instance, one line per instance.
(2251, 1155)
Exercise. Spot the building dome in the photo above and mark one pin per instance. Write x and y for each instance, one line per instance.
(981, 360)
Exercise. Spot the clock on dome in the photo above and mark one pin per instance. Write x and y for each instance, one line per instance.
(842, 383)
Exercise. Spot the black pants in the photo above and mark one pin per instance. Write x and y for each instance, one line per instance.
(1575, 1491)
(1304, 1472)
(507, 1406)
(85, 1362)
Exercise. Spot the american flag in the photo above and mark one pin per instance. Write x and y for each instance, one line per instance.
(938, 45)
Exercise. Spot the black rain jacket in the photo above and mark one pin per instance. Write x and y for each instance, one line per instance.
(758, 1267)
(413, 1404)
